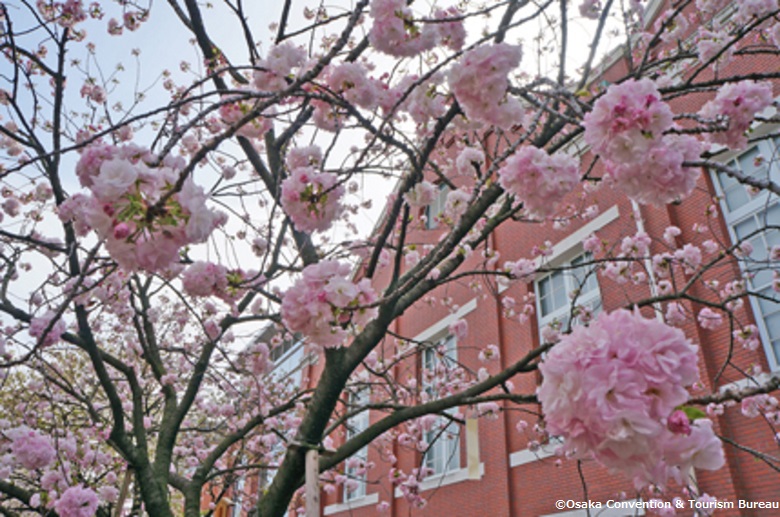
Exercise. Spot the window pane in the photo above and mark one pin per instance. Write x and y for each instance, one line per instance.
(435, 209)
(443, 454)
(747, 163)
(762, 210)
(745, 228)
(555, 304)
(581, 277)
(773, 326)
(560, 298)
(545, 297)
(736, 195)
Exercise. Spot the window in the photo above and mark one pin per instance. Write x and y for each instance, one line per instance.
(435, 209)
(355, 487)
(288, 361)
(238, 497)
(747, 215)
(443, 439)
(555, 293)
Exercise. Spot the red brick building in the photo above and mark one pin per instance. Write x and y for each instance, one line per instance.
(511, 478)
(499, 468)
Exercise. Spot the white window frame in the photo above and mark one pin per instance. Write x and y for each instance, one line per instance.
(355, 425)
(545, 450)
(436, 208)
(591, 298)
(430, 334)
(563, 250)
(443, 453)
(289, 366)
(238, 499)
(769, 149)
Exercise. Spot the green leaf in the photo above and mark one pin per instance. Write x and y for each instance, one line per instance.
(693, 413)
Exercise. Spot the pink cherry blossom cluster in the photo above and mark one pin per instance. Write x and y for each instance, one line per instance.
(30, 449)
(422, 194)
(131, 19)
(232, 112)
(278, 67)
(57, 463)
(674, 26)
(762, 404)
(469, 159)
(747, 337)
(66, 14)
(324, 303)
(312, 199)
(39, 325)
(523, 269)
(409, 485)
(297, 157)
(627, 267)
(749, 9)
(208, 279)
(631, 373)
(93, 92)
(479, 81)
(733, 110)
(351, 81)
(538, 179)
(626, 129)
(709, 319)
(425, 102)
(713, 43)
(396, 32)
(455, 206)
(77, 501)
(8, 144)
(124, 187)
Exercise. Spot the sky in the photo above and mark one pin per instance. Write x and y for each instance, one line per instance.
(135, 62)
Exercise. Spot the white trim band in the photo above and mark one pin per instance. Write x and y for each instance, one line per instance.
(455, 476)
(360, 502)
(444, 323)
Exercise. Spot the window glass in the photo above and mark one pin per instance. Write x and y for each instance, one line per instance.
(354, 470)
(443, 439)
(435, 209)
(748, 214)
(556, 291)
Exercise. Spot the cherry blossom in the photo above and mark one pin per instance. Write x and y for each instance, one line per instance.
(323, 304)
(749, 9)
(422, 194)
(278, 65)
(123, 189)
(31, 449)
(626, 127)
(538, 179)
(77, 501)
(312, 199)
(632, 372)
(394, 31)
(735, 106)
(479, 83)
(151, 339)
(628, 121)
(42, 327)
(350, 80)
